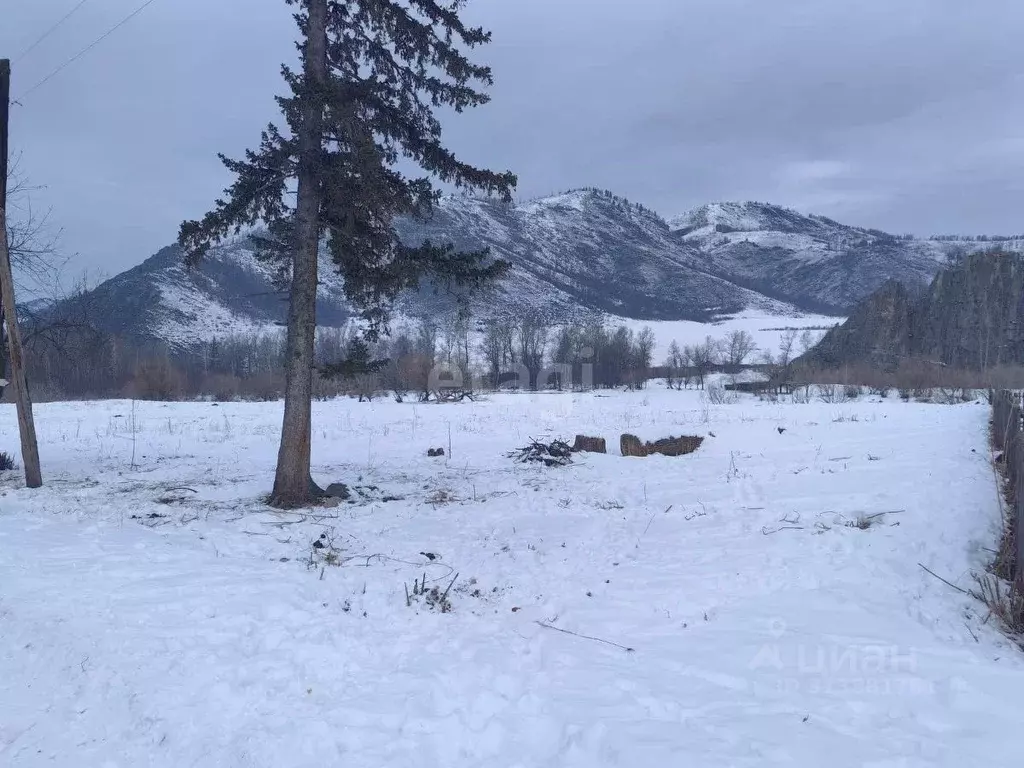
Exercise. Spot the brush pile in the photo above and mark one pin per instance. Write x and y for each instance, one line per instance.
(557, 453)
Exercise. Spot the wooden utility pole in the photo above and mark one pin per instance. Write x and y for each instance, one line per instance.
(26, 425)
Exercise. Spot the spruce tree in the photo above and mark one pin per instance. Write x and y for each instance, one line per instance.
(374, 73)
(358, 362)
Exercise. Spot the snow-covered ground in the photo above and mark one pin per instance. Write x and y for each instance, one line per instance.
(766, 330)
(153, 612)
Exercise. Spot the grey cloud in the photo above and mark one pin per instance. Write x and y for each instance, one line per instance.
(900, 114)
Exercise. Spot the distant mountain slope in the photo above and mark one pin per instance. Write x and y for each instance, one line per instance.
(231, 292)
(970, 317)
(576, 254)
(588, 250)
(811, 261)
(583, 252)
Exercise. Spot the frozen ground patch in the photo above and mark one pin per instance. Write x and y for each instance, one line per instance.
(154, 612)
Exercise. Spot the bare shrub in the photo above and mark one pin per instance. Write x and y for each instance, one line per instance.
(440, 497)
(919, 378)
(1004, 600)
(801, 396)
(156, 379)
(264, 387)
(951, 395)
(223, 387)
(433, 597)
(833, 394)
(852, 391)
(1005, 564)
(410, 373)
(717, 394)
(323, 388)
(7, 462)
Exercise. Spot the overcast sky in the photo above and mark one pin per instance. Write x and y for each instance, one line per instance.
(907, 115)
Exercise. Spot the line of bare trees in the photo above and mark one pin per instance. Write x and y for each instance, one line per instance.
(69, 359)
(432, 357)
(527, 352)
(425, 359)
(690, 365)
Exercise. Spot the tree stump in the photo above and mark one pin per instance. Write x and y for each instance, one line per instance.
(631, 445)
(589, 444)
(675, 446)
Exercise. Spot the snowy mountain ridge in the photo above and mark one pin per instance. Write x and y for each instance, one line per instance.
(580, 253)
(812, 261)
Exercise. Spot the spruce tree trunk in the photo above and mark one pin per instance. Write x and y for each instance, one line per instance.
(293, 485)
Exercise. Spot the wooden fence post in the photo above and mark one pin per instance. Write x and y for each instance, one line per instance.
(1018, 500)
(1008, 435)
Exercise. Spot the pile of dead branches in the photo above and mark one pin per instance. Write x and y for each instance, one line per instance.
(557, 453)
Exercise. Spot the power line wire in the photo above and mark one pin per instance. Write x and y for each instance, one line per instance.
(85, 50)
(49, 32)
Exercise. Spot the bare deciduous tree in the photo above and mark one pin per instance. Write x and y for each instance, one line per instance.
(737, 347)
(496, 347)
(32, 246)
(703, 357)
(674, 362)
(780, 364)
(808, 340)
(531, 339)
(642, 354)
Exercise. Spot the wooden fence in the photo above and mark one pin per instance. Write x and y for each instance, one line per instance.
(1008, 437)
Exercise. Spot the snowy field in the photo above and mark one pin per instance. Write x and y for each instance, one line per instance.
(154, 613)
(766, 330)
